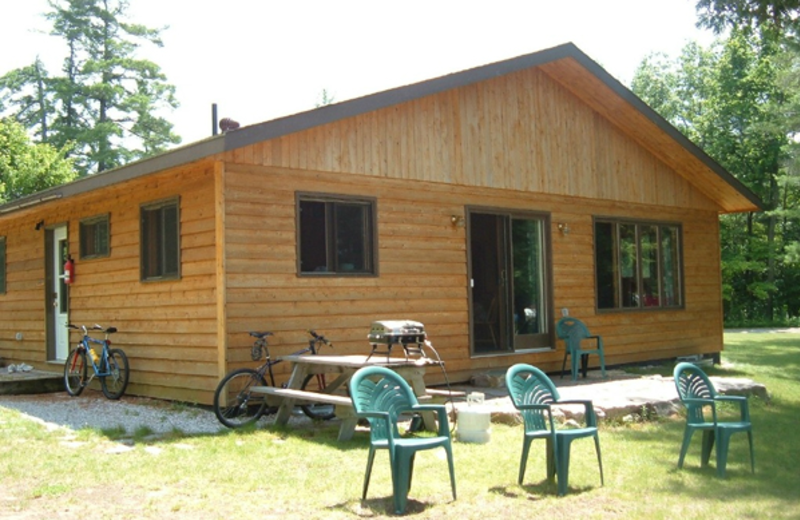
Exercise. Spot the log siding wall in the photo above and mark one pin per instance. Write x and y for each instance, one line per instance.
(167, 328)
(518, 142)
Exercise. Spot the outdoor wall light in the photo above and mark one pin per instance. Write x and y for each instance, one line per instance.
(457, 221)
(564, 228)
(39, 225)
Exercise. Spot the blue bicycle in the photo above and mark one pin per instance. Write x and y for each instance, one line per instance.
(110, 365)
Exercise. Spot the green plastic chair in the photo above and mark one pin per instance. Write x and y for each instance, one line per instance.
(381, 395)
(534, 394)
(573, 332)
(697, 393)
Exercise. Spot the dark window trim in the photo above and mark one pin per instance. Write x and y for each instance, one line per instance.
(330, 197)
(3, 265)
(641, 222)
(158, 204)
(90, 221)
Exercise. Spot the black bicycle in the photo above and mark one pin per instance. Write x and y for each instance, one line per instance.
(236, 405)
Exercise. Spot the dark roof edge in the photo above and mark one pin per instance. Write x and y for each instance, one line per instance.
(169, 159)
(371, 102)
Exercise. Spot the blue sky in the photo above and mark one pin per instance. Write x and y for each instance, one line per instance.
(261, 59)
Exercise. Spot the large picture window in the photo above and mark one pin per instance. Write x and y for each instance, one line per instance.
(336, 235)
(637, 265)
(160, 230)
(94, 237)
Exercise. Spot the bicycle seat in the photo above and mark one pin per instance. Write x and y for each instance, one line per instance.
(260, 335)
(111, 330)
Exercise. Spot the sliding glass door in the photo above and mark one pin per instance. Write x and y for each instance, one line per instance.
(509, 282)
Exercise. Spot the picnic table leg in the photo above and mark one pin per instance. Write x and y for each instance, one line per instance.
(418, 385)
(287, 405)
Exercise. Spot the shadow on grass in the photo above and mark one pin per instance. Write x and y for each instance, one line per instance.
(770, 360)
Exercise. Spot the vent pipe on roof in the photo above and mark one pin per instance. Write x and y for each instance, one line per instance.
(213, 119)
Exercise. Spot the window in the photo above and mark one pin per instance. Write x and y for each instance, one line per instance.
(2, 265)
(336, 235)
(637, 265)
(94, 237)
(161, 250)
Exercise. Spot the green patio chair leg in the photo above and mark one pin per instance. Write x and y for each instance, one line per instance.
(723, 441)
(562, 465)
(575, 365)
(687, 439)
(526, 448)
(368, 473)
(752, 456)
(449, 450)
(402, 477)
(551, 460)
(411, 468)
(599, 458)
(602, 363)
(708, 447)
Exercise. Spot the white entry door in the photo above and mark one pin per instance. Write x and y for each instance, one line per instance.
(60, 293)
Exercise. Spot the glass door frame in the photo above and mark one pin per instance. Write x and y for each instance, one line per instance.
(509, 342)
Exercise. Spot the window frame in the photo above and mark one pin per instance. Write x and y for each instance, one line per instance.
(3, 266)
(640, 296)
(143, 248)
(370, 236)
(93, 221)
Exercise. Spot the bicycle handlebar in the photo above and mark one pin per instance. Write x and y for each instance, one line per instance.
(85, 329)
(319, 338)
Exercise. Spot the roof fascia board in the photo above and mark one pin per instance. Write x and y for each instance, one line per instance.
(170, 159)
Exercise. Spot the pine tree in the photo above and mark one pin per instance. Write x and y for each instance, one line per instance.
(104, 105)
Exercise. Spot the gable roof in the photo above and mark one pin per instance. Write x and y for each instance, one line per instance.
(565, 64)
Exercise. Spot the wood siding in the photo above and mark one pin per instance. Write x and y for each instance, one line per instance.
(168, 328)
(423, 271)
(520, 132)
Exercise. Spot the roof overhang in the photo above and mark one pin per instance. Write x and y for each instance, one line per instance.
(565, 64)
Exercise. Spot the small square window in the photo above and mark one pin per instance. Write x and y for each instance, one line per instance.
(336, 235)
(160, 236)
(94, 237)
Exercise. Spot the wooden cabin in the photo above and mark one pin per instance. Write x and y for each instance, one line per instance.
(484, 204)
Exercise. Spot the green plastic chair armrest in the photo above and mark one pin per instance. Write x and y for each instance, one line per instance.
(699, 400)
(547, 407)
(591, 418)
(744, 408)
(441, 412)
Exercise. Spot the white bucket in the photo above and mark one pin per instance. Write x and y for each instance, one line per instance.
(474, 425)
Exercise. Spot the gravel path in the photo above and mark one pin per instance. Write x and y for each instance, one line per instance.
(92, 410)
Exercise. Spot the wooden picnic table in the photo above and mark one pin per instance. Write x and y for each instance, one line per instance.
(341, 369)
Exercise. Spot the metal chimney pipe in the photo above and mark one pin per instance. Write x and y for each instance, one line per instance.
(214, 124)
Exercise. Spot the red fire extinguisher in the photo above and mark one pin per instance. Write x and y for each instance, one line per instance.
(69, 271)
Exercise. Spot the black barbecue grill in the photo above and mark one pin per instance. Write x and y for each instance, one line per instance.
(408, 334)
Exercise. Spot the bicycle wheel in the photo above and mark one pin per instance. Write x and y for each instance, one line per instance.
(317, 411)
(234, 404)
(75, 371)
(115, 383)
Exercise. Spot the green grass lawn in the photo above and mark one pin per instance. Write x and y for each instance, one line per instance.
(282, 473)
